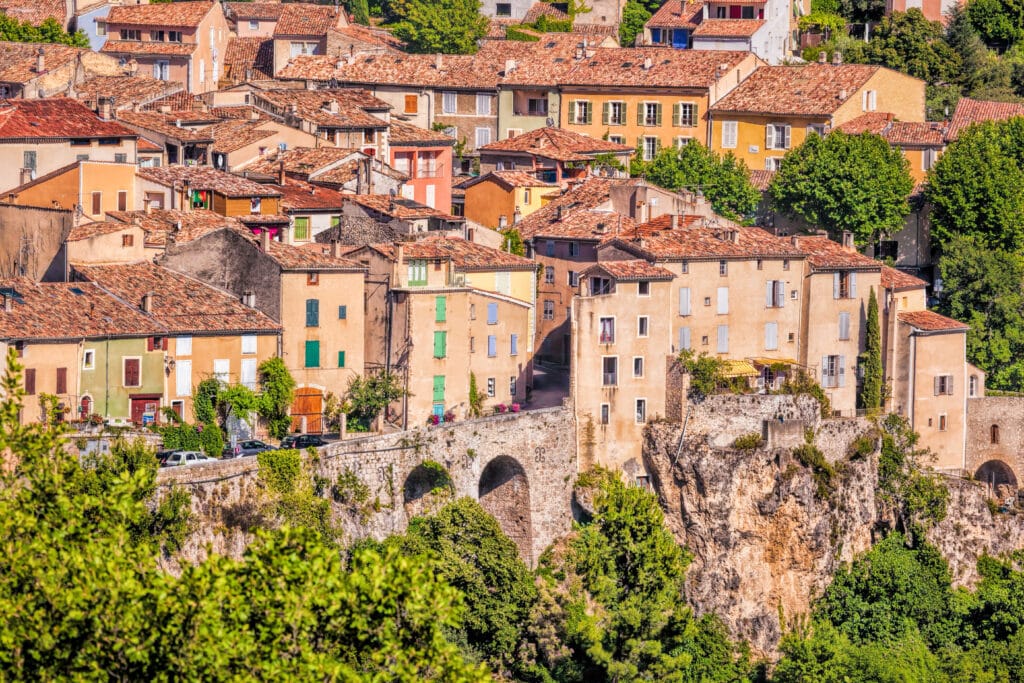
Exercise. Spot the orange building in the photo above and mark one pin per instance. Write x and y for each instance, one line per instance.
(95, 187)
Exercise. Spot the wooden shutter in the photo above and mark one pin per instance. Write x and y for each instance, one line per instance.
(62, 380)
(132, 372)
(826, 377)
(640, 113)
(96, 199)
(723, 300)
(590, 113)
(441, 309)
(836, 282)
(411, 104)
(492, 345)
(342, 312)
(853, 285)
(657, 114)
(769, 294)
(572, 111)
(30, 381)
(438, 388)
(723, 339)
(440, 344)
(780, 294)
(694, 114)
(514, 344)
(312, 354)
(341, 359)
(769, 136)
(842, 371)
(684, 301)
(786, 139)
(684, 338)
(771, 336)
(605, 113)
(677, 114)
(312, 312)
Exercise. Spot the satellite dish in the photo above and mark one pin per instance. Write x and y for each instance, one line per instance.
(549, 122)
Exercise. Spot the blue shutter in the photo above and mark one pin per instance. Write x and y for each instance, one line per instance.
(492, 314)
(342, 312)
(514, 344)
(312, 312)
(492, 346)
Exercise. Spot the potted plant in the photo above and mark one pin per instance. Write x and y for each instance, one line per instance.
(449, 416)
(434, 420)
(515, 407)
(501, 408)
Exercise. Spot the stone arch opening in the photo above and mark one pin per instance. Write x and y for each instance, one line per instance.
(427, 484)
(505, 494)
(999, 477)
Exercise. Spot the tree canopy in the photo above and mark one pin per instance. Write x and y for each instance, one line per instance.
(845, 182)
(439, 26)
(14, 31)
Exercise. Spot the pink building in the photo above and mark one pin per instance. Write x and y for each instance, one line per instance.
(426, 157)
(934, 10)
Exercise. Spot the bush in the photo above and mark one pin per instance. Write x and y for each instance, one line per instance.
(802, 383)
(349, 489)
(823, 472)
(748, 442)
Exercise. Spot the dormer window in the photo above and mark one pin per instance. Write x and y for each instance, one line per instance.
(131, 34)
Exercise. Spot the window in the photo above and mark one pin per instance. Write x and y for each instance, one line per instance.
(526, 196)
(101, 27)
(122, 200)
(472, 311)
(312, 353)
(254, 25)
(440, 344)
(301, 231)
(97, 202)
(869, 100)
(606, 329)
(312, 313)
(682, 141)
(650, 147)
(833, 371)
(610, 371)
(81, 157)
(175, 36)
(503, 9)
(943, 385)
(649, 114)
(723, 268)
(247, 373)
(132, 373)
(449, 102)
(30, 381)
(643, 289)
(887, 249)
(729, 134)
(684, 267)
(202, 71)
(537, 106)
(580, 112)
(771, 336)
(684, 338)
(131, 34)
(549, 309)
(162, 70)
(89, 359)
(412, 104)
(483, 104)
(747, 12)
(844, 326)
(684, 301)
(605, 413)
(844, 285)
(183, 378)
(638, 366)
(301, 48)
(723, 339)
(574, 249)
(722, 301)
(62, 381)
(617, 139)
(492, 346)
(942, 423)
(492, 314)
(785, 264)
(994, 434)
(120, 158)
(127, 240)
(574, 278)
(342, 312)
(972, 384)
(28, 160)
(641, 326)
(513, 345)
(614, 113)
(512, 387)
(775, 294)
(418, 272)
(491, 387)
(248, 343)
(483, 136)
(773, 163)
(157, 36)
(720, 12)
(777, 136)
(183, 346)
(685, 115)
(641, 411)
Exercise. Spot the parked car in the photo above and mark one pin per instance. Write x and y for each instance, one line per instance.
(178, 458)
(246, 448)
(302, 441)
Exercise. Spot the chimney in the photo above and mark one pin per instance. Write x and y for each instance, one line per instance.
(837, 58)
(848, 241)
(336, 248)
(177, 227)
(438, 62)
(280, 172)
(822, 57)
(795, 240)
(843, 94)
(510, 66)
(648, 63)
(265, 240)
(675, 221)
(249, 298)
(8, 303)
(147, 302)
(147, 206)
(559, 212)
(105, 108)
(580, 50)
(41, 60)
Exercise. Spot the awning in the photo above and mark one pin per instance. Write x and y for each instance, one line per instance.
(738, 368)
(773, 361)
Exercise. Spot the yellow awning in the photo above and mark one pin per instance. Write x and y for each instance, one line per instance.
(739, 368)
(773, 361)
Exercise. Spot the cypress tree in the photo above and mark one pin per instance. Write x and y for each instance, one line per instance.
(871, 392)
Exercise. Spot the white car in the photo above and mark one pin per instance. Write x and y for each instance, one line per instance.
(186, 458)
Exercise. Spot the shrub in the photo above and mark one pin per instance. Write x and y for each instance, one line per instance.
(824, 473)
(349, 489)
(802, 383)
(748, 442)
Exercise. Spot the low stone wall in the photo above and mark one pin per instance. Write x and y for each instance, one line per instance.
(724, 417)
(521, 467)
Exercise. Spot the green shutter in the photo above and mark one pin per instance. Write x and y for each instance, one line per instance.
(604, 113)
(640, 114)
(676, 113)
(312, 354)
(341, 359)
(335, 221)
(696, 114)
(301, 229)
(657, 108)
(438, 388)
(572, 111)
(440, 309)
(440, 344)
(590, 114)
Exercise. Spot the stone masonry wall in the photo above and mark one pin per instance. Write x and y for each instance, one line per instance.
(520, 466)
(1006, 413)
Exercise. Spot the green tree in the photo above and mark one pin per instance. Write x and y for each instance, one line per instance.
(845, 182)
(14, 31)
(432, 26)
(871, 391)
(361, 12)
(984, 287)
(367, 397)
(1000, 23)
(977, 186)
(512, 242)
(634, 16)
(277, 387)
(724, 180)
(908, 42)
(862, 11)
(907, 491)
(476, 397)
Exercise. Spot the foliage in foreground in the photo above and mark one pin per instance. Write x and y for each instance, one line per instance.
(50, 31)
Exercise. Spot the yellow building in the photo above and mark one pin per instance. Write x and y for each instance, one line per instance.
(649, 97)
(202, 187)
(777, 107)
(500, 199)
(94, 186)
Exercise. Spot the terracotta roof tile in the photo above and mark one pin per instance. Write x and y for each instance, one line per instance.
(312, 105)
(930, 321)
(147, 145)
(508, 179)
(293, 257)
(872, 122)
(810, 89)
(898, 280)
(728, 28)
(18, 60)
(68, 310)
(633, 271)
(180, 304)
(234, 134)
(545, 9)
(179, 101)
(397, 207)
(300, 161)
(928, 134)
(35, 12)
(677, 14)
(371, 36)
(969, 111)
(162, 224)
(55, 117)
(701, 238)
(669, 68)
(207, 178)
(299, 196)
(761, 179)
(583, 212)
(127, 91)
(825, 254)
(464, 255)
(556, 143)
(163, 124)
(184, 14)
(264, 11)
(146, 47)
(303, 19)
(253, 56)
(90, 230)
(400, 133)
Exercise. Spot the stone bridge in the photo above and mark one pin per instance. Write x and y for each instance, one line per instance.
(995, 442)
(520, 467)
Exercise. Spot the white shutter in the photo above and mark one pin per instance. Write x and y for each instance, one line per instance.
(483, 136)
(684, 301)
(769, 294)
(836, 279)
(844, 325)
(723, 339)
(853, 285)
(729, 134)
(222, 369)
(183, 378)
(872, 100)
(785, 143)
(771, 336)
(156, 70)
(949, 384)
(769, 136)
(684, 338)
(183, 346)
(842, 371)
(864, 101)
(780, 294)
(483, 104)
(248, 373)
(826, 376)
(936, 381)
(248, 343)
(723, 299)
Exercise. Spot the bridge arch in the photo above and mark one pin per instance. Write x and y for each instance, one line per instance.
(427, 485)
(999, 476)
(504, 493)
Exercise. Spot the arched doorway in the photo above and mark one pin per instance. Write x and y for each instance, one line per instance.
(505, 495)
(85, 407)
(999, 477)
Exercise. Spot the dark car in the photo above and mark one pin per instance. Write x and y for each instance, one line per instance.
(301, 441)
(246, 448)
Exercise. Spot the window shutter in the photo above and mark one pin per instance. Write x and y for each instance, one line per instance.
(786, 143)
(312, 354)
(30, 381)
(156, 70)
(694, 111)
(771, 336)
(844, 325)
(769, 294)
(780, 294)
(836, 277)
(769, 136)
(62, 380)
(149, 343)
(492, 314)
(342, 312)
(341, 359)
(657, 110)
(183, 378)
(572, 111)
(949, 384)
(677, 114)
(842, 371)
(684, 338)
(590, 113)
(684, 301)
(723, 299)
(723, 339)
(853, 285)
(604, 113)
(826, 377)
(439, 344)
(514, 344)
(312, 312)
(247, 373)
(492, 345)
(439, 388)
(640, 113)
(441, 309)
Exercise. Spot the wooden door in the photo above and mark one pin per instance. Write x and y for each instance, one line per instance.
(308, 405)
